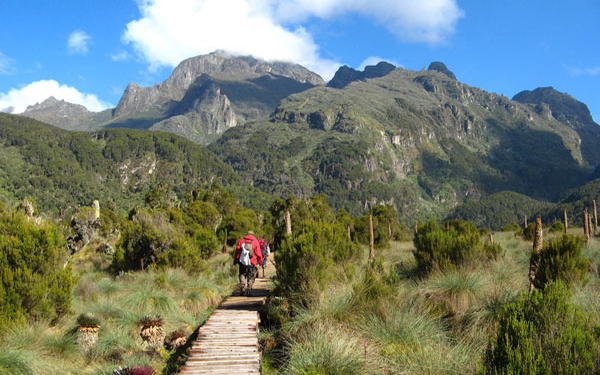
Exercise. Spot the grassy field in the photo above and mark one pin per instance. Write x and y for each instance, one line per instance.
(183, 300)
(440, 324)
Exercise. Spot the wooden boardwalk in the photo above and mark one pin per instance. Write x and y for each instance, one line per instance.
(227, 343)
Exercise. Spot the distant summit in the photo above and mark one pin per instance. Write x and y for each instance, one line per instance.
(64, 114)
(218, 65)
(441, 67)
(346, 74)
(564, 107)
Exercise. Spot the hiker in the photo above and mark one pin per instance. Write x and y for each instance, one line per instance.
(266, 252)
(248, 256)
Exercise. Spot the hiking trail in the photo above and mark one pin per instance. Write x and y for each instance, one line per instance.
(227, 342)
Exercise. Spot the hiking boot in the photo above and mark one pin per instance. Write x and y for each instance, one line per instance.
(248, 292)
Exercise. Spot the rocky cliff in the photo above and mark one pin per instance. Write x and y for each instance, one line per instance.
(218, 65)
(420, 140)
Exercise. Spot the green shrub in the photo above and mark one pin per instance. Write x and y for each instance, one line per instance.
(149, 240)
(557, 227)
(386, 226)
(529, 232)
(493, 250)
(436, 247)
(543, 333)
(309, 259)
(512, 227)
(560, 259)
(34, 282)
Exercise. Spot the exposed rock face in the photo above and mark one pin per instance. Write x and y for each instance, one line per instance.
(210, 113)
(552, 104)
(441, 67)
(60, 113)
(217, 65)
(345, 74)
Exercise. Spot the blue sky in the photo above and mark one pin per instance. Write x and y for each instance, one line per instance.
(88, 51)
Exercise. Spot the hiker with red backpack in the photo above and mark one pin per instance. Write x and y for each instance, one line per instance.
(248, 256)
(266, 252)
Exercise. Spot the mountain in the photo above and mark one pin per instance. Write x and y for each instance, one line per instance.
(62, 169)
(204, 96)
(550, 103)
(420, 140)
(70, 116)
(345, 74)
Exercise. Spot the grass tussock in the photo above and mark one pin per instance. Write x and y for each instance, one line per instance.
(407, 323)
(183, 300)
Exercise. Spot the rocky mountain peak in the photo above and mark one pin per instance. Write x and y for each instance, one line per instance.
(56, 105)
(439, 66)
(218, 65)
(346, 74)
(564, 107)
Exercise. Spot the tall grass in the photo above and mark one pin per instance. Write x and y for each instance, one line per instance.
(440, 324)
(325, 350)
(183, 300)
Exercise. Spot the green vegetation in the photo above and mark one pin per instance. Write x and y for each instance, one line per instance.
(62, 169)
(543, 333)
(454, 244)
(308, 260)
(561, 259)
(464, 315)
(35, 283)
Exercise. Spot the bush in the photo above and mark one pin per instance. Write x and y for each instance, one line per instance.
(456, 243)
(309, 258)
(150, 240)
(34, 282)
(529, 232)
(557, 227)
(386, 226)
(512, 227)
(493, 250)
(543, 333)
(560, 259)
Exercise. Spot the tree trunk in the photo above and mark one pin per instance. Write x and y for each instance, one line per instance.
(525, 221)
(349, 237)
(491, 238)
(371, 239)
(565, 218)
(538, 243)
(224, 250)
(288, 223)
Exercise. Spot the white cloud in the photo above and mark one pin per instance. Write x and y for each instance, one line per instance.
(17, 100)
(374, 60)
(594, 71)
(171, 31)
(429, 21)
(119, 56)
(78, 42)
(6, 64)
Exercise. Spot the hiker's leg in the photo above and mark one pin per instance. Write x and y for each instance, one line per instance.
(242, 277)
(251, 277)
